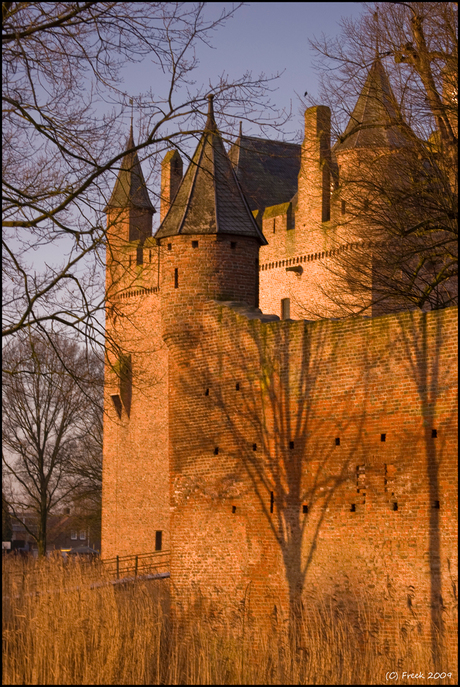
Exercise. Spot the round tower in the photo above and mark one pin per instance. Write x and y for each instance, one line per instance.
(209, 240)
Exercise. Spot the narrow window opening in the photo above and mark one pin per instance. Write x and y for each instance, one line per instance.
(434, 433)
(436, 504)
(274, 226)
(291, 444)
(233, 509)
(237, 386)
(233, 245)
(130, 261)
(353, 508)
(150, 256)
(117, 403)
(344, 206)
(176, 277)
(194, 244)
(383, 437)
(140, 255)
(337, 441)
(216, 451)
(395, 505)
(158, 540)
(304, 508)
(169, 246)
(272, 501)
(206, 393)
(254, 447)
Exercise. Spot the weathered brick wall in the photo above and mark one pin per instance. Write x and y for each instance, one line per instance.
(310, 233)
(254, 418)
(135, 501)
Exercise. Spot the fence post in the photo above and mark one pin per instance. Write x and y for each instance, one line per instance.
(118, 568)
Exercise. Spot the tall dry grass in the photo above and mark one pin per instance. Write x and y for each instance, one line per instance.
(58, 630)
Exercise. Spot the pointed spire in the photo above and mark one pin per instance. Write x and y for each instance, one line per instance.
(130, 189)
(376, 118)
(210, 122)
(376, 19)
(210, 199)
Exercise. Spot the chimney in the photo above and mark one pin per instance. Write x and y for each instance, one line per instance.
(171, 177)
(315, 177)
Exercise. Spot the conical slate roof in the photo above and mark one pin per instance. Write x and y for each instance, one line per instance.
(210, 199)
(373, 123)
(130, 189)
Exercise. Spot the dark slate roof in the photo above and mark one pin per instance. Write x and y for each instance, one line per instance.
(130, 189)
(266, 170)
(209, 199)
(373, 123)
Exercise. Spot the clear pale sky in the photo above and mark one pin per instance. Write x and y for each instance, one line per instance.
(266, 37)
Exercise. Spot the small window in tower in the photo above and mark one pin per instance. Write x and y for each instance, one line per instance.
(216, 451)
(395, 505)
(237, 386)
(304, 508)
(291, 444)
(285, 308)
(272, 501)
(233, 509)
(353, 508)
(344, 207)
(434, 433)
(383, 437)
(274, 225)
(150, 256)
(206, 393)
(337, 441)
(117, 403)
(158, 540)
(254, 447)
(176, 277)
(169, 246)
(233, 245)
(194, 244)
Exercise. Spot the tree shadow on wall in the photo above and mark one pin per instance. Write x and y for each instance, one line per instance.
(278, 457)
(279, 432)
(424, 343)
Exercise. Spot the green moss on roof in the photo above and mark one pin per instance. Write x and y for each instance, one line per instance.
(276, 210)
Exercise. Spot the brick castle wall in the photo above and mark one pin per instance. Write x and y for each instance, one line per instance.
(316, 456)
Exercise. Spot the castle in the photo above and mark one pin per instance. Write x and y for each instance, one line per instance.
(268, 452)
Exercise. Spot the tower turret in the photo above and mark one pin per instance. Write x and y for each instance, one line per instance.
(209, 239)
(129, 216)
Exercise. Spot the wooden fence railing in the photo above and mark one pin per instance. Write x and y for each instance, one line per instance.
(138, 564)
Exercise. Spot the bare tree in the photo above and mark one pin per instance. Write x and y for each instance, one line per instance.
(65, 111)
(51, 411)
(396, 190)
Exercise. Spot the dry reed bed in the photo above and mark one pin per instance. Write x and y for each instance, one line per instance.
(68, 633)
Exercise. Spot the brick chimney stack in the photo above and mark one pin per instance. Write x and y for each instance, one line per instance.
(315, 177)
(171, 177)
